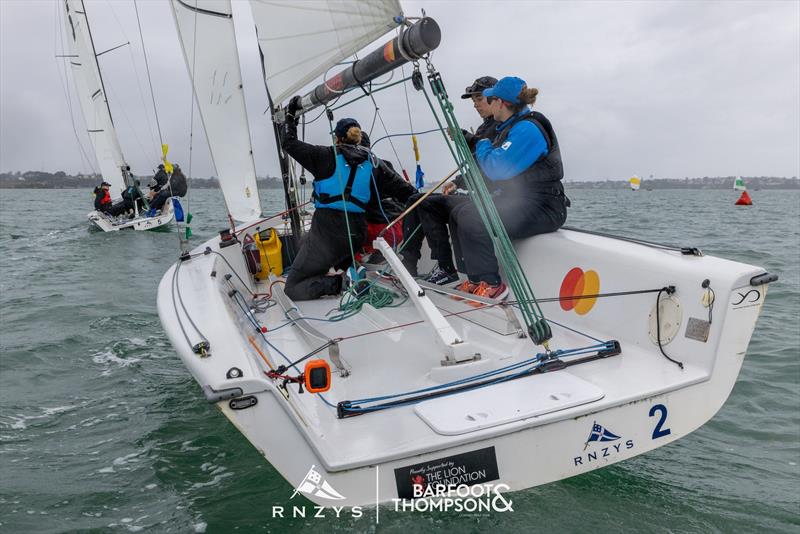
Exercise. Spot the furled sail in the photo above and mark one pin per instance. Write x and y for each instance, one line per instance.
(209, 48)
(302, 40)
(635, 182)
(92, 96)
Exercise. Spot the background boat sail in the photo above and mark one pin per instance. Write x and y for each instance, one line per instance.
(628, 374)
(99, 124)
(635, 183)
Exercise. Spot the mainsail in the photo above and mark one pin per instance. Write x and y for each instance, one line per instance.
(302, 40)
(738, 184)
(209, 47)
(92, 96)
(635, 182)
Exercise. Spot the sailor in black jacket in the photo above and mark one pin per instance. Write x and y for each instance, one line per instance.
(431, 218)
(343, 183)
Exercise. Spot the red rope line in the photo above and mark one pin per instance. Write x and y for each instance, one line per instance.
(281, 214)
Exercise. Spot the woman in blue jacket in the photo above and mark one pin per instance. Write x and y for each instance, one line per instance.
(524, 171)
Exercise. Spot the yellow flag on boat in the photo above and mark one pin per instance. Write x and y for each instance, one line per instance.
(167, 164)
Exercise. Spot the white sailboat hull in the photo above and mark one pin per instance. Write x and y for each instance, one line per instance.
(114, 224)
(521, 433)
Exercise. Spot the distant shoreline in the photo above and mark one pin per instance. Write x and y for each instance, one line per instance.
(61, 180)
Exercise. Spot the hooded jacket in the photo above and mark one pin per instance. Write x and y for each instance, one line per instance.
(320, 161)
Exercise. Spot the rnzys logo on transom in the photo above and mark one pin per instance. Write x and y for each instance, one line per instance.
(609, 445)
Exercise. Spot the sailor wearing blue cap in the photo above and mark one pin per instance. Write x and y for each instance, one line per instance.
(524, 171)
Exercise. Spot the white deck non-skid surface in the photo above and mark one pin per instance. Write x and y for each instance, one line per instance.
(394, 360)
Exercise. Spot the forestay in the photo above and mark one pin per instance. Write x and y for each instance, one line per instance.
(208, 40)
(92, 96)
(302, 40)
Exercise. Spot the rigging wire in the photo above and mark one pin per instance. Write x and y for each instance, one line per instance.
(147, 68)
(127, 119)
(137, 76)
(383, 124)
(191, 123)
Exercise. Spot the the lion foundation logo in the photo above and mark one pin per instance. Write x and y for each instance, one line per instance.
(577, 290)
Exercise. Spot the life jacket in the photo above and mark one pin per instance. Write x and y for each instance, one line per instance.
(545, 175)
(102, 196)
(348, 188)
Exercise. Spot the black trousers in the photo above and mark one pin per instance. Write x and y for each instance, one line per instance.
(413, 234)
(129, 203)
(522, 216)
(115, 209)
(435, 214)
(160, 199)
(325, 245)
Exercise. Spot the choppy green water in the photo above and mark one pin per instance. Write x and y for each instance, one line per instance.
(102, 429)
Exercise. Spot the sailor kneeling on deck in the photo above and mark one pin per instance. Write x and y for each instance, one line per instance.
(343, 176)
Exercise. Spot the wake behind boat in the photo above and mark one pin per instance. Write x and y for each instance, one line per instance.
(407, 386)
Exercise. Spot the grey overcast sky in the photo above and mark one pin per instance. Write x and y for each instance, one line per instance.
(672, 89)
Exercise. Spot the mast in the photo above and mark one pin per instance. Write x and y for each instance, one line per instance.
(124, 168)
(289, 192)
(96, 61)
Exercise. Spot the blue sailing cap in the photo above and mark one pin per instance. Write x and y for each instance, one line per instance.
(507, 89)
(343, 125)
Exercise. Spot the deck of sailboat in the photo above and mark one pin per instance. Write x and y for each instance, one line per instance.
(383, 361)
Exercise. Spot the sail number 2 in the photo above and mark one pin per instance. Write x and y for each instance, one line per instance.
(659, 431)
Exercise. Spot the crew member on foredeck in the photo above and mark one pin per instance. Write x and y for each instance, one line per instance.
(342, 189)
(158, 181)
(176, 186)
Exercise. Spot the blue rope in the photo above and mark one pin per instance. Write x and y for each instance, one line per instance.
(539, 358)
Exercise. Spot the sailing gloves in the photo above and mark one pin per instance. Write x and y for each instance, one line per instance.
(295, 104)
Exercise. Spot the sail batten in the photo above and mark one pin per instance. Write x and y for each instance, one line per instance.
(91, 95)
(303, 40)
(208, 40)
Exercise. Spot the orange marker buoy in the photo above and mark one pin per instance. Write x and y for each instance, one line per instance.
(744, 200)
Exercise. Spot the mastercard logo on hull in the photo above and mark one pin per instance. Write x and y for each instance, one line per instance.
(579, 283)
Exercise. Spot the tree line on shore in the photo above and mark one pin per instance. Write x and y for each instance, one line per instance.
(62, 180)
